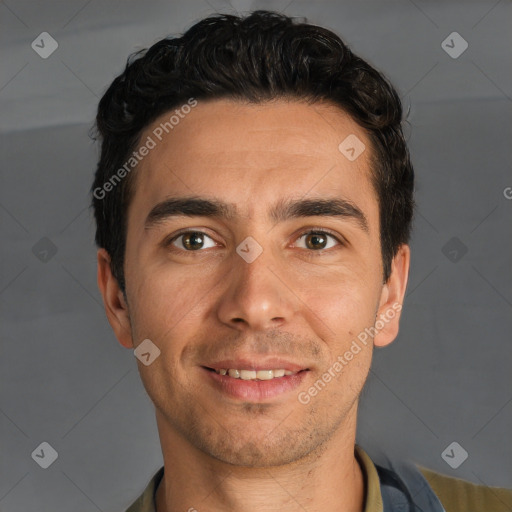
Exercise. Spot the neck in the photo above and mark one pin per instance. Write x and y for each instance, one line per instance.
(327, 480)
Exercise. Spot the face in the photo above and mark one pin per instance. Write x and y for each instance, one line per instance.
(275, 264)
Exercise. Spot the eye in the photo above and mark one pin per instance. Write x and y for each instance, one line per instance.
(193, 241)
(190, 241)
(317, 240)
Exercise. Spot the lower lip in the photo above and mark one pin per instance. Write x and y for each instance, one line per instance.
(255, 390)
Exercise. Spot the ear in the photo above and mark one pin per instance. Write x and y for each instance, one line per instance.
(114, 301)
(391, 299)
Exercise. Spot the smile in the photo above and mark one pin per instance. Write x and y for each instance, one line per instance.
(254, 374)
(254, 385)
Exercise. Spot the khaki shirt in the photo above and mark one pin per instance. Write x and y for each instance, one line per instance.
(456, 495)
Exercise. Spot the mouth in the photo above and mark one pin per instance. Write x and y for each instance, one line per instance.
(255, 375)
(254, 384)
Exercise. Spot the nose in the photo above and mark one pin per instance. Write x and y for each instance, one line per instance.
(256, 295)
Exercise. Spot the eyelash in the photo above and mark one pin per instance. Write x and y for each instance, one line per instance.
(320, 231)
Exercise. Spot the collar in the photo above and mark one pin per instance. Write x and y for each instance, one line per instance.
(372, 503)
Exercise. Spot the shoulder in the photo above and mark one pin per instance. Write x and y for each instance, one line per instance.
(458, 495)
(146, 501)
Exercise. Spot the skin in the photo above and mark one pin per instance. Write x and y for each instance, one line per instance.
(293, 301)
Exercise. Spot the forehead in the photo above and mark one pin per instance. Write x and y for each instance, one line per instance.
(250, 154)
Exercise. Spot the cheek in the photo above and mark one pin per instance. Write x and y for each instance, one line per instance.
(164, 308)
(162, 300)
(348, 315)
(345, 301)
(341, 313)
(170, 301)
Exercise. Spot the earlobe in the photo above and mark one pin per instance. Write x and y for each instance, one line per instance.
(392, 297)
(116, 308)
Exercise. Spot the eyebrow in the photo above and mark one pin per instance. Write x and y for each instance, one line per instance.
(283, 210)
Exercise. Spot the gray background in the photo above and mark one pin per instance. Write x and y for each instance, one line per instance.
(65, 379)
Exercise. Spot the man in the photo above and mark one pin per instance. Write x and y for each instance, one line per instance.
(253, 202)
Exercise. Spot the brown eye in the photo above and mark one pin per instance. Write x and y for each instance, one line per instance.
(191, 241)
(318, 240)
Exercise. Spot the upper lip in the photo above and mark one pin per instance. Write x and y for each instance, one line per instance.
(255, 364)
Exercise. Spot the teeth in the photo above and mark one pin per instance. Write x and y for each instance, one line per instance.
(265, 374)
(253, 374)
(247, 374)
